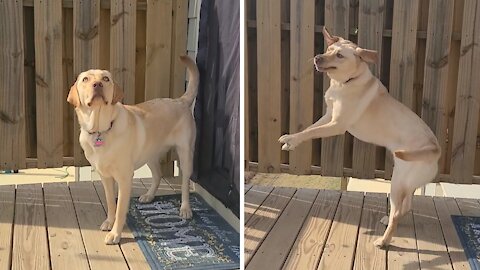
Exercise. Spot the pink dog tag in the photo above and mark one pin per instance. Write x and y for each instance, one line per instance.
(99, 142)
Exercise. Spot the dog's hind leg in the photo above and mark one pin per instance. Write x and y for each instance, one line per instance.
(398, 194)
(396, 200)
(156, 170)
(185, 155)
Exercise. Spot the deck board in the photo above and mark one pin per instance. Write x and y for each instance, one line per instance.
(277, 244)
(66, 247)
(341, 241)
(57, 226)
(368, 256)
(90, 215)
(403, 253)
(311, 240)
(130, 249)
(7, 208)
(429, 235)
(445, 208)
(265, 217)
(336, 231)
(254, 198)
(30, 246)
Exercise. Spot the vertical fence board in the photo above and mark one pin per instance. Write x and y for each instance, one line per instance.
(468, 96)
(252, 85)
(158, 60)
(68, 80)
(402, 61)
(104, 34)
(285, 76)
(30, 84)
(434, 111)
(453, 67)
(140, 57)
(336, 20)
(301, 80)
(49, 83)
(269, 70)
(370, 33)
(246, 93)
(12, 92)
(157, 73)
(123, 15)
(86, 53)
(318, 81)
(179, 47)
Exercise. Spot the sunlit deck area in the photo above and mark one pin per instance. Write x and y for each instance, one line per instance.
(56, 226)
(298, 228)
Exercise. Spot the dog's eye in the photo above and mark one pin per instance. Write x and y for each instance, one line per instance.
(339, 55)
(105, 78)
(85, 79)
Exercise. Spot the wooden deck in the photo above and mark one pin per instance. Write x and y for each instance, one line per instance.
(57, 227)
(289, 228)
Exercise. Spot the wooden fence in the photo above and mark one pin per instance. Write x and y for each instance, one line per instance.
(44, 45)
(430, 61)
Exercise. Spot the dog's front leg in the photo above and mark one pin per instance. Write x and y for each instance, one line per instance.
(109, 187)
(330, 129)
(124, 191)
(322, 121)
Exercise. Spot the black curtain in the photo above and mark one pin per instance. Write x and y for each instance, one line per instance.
(217, 109)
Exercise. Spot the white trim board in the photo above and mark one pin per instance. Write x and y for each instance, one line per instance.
(223, 211)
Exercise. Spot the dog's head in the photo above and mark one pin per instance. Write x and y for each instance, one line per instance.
(94, 87)
(343, 58)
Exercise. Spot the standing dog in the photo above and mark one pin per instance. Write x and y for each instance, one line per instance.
(118, 139)
(357, 102)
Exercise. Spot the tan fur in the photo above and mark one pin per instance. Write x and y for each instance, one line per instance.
(133, 135)
(357, 102)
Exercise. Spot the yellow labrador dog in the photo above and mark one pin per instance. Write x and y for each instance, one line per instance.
(357, 102)
(117, 138)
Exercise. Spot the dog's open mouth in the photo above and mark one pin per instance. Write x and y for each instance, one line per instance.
(324, 69)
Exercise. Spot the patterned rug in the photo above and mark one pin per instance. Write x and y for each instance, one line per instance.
(468, 230)
(206, 241)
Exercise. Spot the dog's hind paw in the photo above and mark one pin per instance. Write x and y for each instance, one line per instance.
(384, 220)
(112, 238)
(106, 225)
(146, 198)
(185, 212)
(381, 242)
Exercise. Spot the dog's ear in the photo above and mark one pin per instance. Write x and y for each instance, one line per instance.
(117, 94)
(328, 37)
(369, 56)
(72, 97)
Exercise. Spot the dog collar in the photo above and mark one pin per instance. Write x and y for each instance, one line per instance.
(98, 141)
(351, 79)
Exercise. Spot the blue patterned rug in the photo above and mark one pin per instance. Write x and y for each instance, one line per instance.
(206, 241)
(468, 230)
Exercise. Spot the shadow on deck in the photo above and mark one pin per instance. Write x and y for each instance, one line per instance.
(57, 226)
(298, 228)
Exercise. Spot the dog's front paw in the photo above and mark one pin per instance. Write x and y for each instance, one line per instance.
(185, 212)
(106, 225)
(380, 242)
(289, 142)
(112, 238)
(146, 198)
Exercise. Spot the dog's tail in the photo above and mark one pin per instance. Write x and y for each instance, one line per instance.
(427, 153)
(193, 80)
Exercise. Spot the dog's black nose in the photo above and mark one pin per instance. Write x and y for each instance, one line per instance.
(97, 85)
